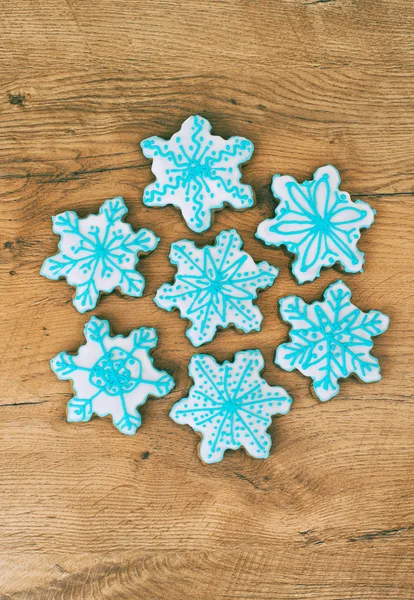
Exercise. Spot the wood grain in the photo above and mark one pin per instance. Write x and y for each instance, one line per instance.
(89, 514)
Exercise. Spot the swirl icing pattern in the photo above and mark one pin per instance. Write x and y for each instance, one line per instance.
(112, 375)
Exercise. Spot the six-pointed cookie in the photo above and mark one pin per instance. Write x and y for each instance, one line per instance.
(197, 172)
(98, 253)
(215, 286)
(317, 222)
(230, 405)
(330, 340)
(112, 375)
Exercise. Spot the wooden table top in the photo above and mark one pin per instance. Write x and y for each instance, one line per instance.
(87, 513)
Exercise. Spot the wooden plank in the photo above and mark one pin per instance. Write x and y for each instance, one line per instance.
(89, 514)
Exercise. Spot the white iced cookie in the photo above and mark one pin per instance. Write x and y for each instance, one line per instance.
(330, 340)
(197, 172)
(230, 405)
(112, 375)
(317, 222)
(215, 286)
(99, 253)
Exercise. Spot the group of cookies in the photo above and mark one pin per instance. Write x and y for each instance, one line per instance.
(230, 405)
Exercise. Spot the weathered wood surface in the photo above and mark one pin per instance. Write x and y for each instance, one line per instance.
(86, 513)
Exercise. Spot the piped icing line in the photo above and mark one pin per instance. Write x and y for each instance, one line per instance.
(98, 254)
(330, 340)
(317, 222)
(197, 172)
(215, 286)
(230, 405)
(112, 375)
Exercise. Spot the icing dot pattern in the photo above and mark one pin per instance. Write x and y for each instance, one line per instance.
(230, 405)
(215, 286)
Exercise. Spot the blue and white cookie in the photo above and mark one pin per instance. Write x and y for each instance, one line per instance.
(197, 172)
(99, 253)
(330, 340)
(230, 405)
(215, 286)
(112, 375)
(317, 222)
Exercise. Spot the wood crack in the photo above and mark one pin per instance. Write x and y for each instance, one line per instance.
(23, 403)
(244, 478)
(379, 534)
(319, 2)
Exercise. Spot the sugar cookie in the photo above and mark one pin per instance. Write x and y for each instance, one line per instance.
(98, 253)
(330, 339)
(317, 222)
(112, 375)
(197, 172)
(230, 405)
(215, 286)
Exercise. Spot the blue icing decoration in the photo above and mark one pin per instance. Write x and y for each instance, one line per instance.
(112, 375)
(98, 253)
(318, 223)
(215, 286)
(197, 172)
(330, 339)
(230, 405)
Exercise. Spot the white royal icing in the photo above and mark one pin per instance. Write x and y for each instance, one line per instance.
(215, 286)
(317, 222)
(112, 375)
(99, 253)
(197, 172)
(330, 340)
(230, 405)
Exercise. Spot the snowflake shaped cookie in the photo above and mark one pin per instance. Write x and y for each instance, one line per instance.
(230, 405)
(215, 286)
(98, 253)
(197, 172)
(318, 222)
(330, 339)
(112, 375)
